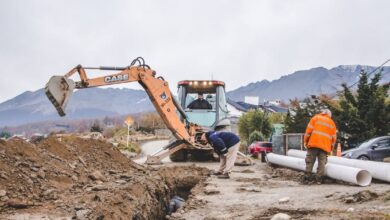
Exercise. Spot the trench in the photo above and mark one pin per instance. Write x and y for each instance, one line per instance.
(178, 181)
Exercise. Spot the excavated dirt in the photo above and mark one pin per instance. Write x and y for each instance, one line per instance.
(284, 173)
(360, 197)
(73, 178)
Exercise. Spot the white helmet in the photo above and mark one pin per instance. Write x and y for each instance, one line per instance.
(326, 111)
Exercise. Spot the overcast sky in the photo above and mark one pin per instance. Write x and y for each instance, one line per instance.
(235, 41)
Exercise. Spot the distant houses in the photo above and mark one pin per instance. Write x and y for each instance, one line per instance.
(237, 108)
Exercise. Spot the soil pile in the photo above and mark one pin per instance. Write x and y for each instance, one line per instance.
(360, 197)
(81, 178)
(284, 173)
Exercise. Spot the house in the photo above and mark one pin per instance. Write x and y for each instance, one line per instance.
(239, 107)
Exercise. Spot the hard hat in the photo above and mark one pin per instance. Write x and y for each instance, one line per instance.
(326, 111)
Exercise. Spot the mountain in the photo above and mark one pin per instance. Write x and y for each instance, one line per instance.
(30, 107)
(34, 106)
(303, 83)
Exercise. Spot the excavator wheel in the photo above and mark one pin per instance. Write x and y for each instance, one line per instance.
(179, 156)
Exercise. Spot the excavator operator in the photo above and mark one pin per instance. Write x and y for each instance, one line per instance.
(200, 103)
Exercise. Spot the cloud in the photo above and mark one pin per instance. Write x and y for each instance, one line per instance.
(235, 41)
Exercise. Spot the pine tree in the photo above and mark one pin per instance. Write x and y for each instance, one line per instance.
(300, 115)
(364, 115)
(96, 127)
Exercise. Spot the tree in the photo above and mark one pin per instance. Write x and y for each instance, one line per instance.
(109, 132)
(254, 120)
(365, 114)
(5, 134)
(300, 114)
(256, 136)
(277, 118)
(96, 127)
(150, 121)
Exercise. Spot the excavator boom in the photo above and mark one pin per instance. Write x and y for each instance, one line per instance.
(60, 88)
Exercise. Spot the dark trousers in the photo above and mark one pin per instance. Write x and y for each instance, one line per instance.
(311, 156)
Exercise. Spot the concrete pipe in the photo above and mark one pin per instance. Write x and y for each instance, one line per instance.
(378, 170)
(348, 174)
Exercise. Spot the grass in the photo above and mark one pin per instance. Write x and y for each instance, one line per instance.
(133, 147)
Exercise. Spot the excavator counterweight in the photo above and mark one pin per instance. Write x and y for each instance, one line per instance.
(59, 89)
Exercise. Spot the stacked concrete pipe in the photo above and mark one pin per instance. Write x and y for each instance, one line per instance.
(339, 172)
(378, 170)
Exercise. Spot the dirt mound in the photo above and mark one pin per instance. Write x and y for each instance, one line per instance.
(284, 173)
(360, 197)
(85, 179)
(279, 173)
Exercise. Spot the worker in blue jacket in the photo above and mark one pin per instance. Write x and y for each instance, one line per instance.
(226, 145)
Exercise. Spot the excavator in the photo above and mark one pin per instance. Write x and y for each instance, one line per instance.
(187, 134)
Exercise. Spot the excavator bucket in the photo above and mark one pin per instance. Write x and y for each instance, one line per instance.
(58, 90)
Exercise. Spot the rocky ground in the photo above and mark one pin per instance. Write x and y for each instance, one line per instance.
(261, 192)
(70, 177)
(74, 178)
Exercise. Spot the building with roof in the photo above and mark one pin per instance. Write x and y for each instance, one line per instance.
(239, 107)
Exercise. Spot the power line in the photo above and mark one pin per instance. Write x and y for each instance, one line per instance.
(373, 71)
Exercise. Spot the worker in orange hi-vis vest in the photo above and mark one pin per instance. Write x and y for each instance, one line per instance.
(320, 138)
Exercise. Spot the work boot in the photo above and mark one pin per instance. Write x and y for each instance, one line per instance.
(306, 179)
(216, 173)
(224, 176)
(319, 180)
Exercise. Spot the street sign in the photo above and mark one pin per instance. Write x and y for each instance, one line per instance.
(129, 121)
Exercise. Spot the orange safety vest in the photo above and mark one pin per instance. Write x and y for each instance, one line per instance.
(320, 132)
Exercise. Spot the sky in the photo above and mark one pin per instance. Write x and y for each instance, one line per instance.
(236, 41)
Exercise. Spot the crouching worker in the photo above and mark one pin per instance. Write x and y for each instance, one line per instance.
(226, 145)
(320, 137)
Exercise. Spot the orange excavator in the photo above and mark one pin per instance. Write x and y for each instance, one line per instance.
(60, 88)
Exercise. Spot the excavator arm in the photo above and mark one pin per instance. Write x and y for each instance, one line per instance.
(60, 88)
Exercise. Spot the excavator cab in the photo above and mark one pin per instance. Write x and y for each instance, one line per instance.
(211, 117)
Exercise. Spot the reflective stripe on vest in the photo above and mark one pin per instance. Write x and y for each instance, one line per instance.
(324, 124)
(323, 134)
